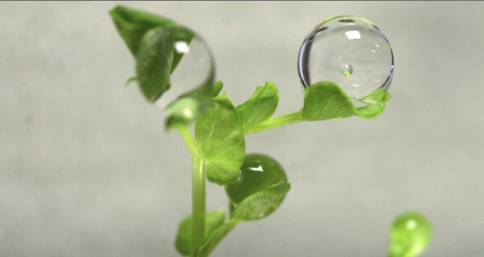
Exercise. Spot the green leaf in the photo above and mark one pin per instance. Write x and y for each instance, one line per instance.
(260, 106)
(130, 80)
(411, 234)
(181, 112)
(190, 105)
(260, 190)
(375, 104)
(217, 87)
(325, 100)
(150, 38)
(132, 24)
(154, 60)
(221, 139)
(263, 203)
(213, 220)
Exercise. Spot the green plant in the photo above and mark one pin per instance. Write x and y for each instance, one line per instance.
(256, 184)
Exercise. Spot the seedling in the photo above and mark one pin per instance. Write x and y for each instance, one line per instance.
(255, 184)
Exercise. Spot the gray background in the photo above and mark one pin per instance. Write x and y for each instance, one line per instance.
(86, 168)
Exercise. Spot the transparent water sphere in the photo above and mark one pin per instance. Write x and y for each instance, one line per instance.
(195, 68)
(350, 51)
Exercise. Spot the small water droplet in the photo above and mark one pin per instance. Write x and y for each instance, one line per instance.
(337, 47)
(257, 173)
(347, 70)
(411, 234)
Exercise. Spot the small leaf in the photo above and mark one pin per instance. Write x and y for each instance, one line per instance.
(325, 100)
(181, 113)
(261, 204)
(260, 190)
(260, 106)
(154, 60)
(132, 24)
(213, 220)
(130, 80)
(411, 234)
(217, 87)
(189, 106)
(221, 139)
(375, 104)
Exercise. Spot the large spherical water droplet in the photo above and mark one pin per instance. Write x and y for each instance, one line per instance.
(411, 234)
(196, 67)
(350, 51)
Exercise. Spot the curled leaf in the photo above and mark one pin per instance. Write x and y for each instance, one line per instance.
(325, 100)
(132, 24)
(154, 59)
(260, 106)
(151, 38)
(260, 189)
(375, 104)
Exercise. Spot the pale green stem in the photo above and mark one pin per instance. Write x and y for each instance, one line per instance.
(217, 237)
(198, 208)
(198, 192)
(198, 186)
(189, 141)
(277, 122)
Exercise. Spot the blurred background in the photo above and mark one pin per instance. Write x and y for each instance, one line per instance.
(86, 168)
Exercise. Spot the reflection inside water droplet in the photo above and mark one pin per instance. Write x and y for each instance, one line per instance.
(347, 70)
(257, 168)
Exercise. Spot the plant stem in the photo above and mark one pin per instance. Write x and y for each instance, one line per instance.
(198, 191)
(277, 122)
(198, 208)
(217, 237)
(189, 141)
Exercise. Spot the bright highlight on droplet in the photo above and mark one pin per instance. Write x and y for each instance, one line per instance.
(350, 51)
(353, 34)
(182, 47)
(411, 224)
(258, 168)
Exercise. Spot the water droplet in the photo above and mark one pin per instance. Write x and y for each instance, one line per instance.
(350, 51)
(347, 70)
(411, 234)
(195, 68)
(258, 172)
